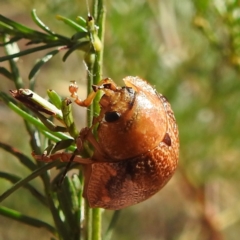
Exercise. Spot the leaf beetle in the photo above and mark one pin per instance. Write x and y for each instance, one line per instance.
(137, 146)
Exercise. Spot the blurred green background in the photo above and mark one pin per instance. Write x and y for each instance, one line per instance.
(189, 50)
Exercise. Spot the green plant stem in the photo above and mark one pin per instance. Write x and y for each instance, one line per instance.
(94, 65)
(87, 210)
(99, 15)
(96, 223)
(88, 219)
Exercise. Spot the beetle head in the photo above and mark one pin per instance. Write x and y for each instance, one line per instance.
(130, 115)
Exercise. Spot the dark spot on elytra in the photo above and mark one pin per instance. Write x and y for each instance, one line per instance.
(167, 140)
(125, 172)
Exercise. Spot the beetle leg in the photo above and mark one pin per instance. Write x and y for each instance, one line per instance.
(106, 83)
(73, 88)
(63, 157)
(87, 135)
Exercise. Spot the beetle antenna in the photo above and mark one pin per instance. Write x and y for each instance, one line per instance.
(88, 71)
(67, 168)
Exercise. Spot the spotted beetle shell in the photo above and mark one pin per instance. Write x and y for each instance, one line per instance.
(139, 147)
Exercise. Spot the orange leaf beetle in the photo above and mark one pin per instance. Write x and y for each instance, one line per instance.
(137, 146)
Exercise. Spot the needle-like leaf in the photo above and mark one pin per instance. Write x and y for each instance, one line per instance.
(72, 24)
(6, 73)
(40, 23)
(27, 179)
(41, 62)
(13, 178)
(25, 160)
(15, 215)
(79, 45)
(31, 50)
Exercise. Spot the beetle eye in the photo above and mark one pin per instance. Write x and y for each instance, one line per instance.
(112, 116)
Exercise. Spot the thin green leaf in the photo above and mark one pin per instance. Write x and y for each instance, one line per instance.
(15, 215)
(17, 26)
(54, 98)
(63, 144)
(81, 20)
(78, 45)
(40, 23)
(27, 179)
(25, 160)
(31, 50)
(13, 178)
(72, 24)
(79, 35)
(24, 31)
(49, 124)
(41, 62)
(6, 73)
(5, 28)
